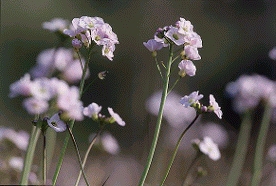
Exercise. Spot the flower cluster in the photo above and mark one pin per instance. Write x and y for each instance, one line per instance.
(249, 90)
(86, 30)
(182, 34)
(193, 101)
(91, 111)
(207, 147)
(56, 25)
(60, 60)
(40, 92)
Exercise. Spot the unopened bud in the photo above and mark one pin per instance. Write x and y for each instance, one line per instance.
(102, 75)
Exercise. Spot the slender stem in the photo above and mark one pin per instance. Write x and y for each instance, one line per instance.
(258, 159)
(29, 155)
(174, 85)
(86, 155)
(58, 167)
(158, 67)
(196, 158)
(44, 167)
(159, 119)
(176, 149)
(81, 64)
(78, 153)
(241, 150)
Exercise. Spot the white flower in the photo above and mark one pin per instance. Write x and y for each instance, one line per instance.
(92, 110)
(187, 101)
(56, 123)
(208, 147)
(152, 45)
(184, 26)
(116, 117)
(16, 163)
(272, 53)
(186, 67)
(215, 107)
(42, 89)
(110, 144)
(271, 154)
(20, 138)
(175, 36)
(21, 87)
(191, 52)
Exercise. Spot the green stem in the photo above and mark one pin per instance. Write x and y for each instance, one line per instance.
(86, 155)
(78, 154)
(158, 67)
(159, 119)
(44, 167)
(196, 158)
(258, 159)
(176, 149)
(174, 85)
(241, 150)
(71, 124)
(29, 155)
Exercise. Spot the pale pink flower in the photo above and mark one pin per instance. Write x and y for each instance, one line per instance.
(191, 52)
(35, 106)
(152, 45)
(21, 87)
(56, 24)
(116, 117)
(184, 26)
(187, 101)
(92, 110)
(109, 143)
(215, 107)
(186, 67)
(56, 123)
(208, 147)
(175, 36)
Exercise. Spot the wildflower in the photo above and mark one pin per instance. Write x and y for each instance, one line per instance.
(110, 144)
(152, 45)
(272, 53)
(215, 107)
(35, 106)
(21, 87)
(209, 148)
(186, 67)
(76, 43)
(115, 117)
(16, 163)
(191, 53)
(56, 24)
(20, 138)
(184, 26)
(175, 36)
(271, 154)
(92, 110)
(192, 99)
(56, 123)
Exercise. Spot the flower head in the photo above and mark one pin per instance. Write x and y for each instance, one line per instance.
(116, 117)
(193, 98)
(186, 67)
(152, 45)
(215, 107)
(92, 110)
(56, 24)
(56, 123)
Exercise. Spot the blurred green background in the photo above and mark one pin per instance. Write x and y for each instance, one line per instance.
(237, 36)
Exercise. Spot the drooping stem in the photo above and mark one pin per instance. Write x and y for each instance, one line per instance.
(176, 149)
(260, 145)
(241, 150)
(29, 155)
(86, 155)
(78, 154)
(159, 119)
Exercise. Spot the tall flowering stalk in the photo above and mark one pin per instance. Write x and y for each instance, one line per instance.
(181, 34)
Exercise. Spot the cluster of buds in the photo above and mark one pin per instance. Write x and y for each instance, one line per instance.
(93, 30)
(182, 34)
(193, 101)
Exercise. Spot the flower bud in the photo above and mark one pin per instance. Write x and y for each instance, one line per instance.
(77, 44)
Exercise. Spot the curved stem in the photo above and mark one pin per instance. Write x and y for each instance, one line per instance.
(78, 153)
(176, 149)
(86, 155)
(159, 119)
(29, 155)
(258, 159)
(158, 68)
(71, 124)
(241, 150)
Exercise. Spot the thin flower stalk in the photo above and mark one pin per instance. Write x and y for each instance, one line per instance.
(78, 154)
(71, 124)
(29, 155)
(258, 159)
(196, 158)
(159, 119)
(241, 149)
(158, 67)
(176, 149)
(44, 167)
(86, 156)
